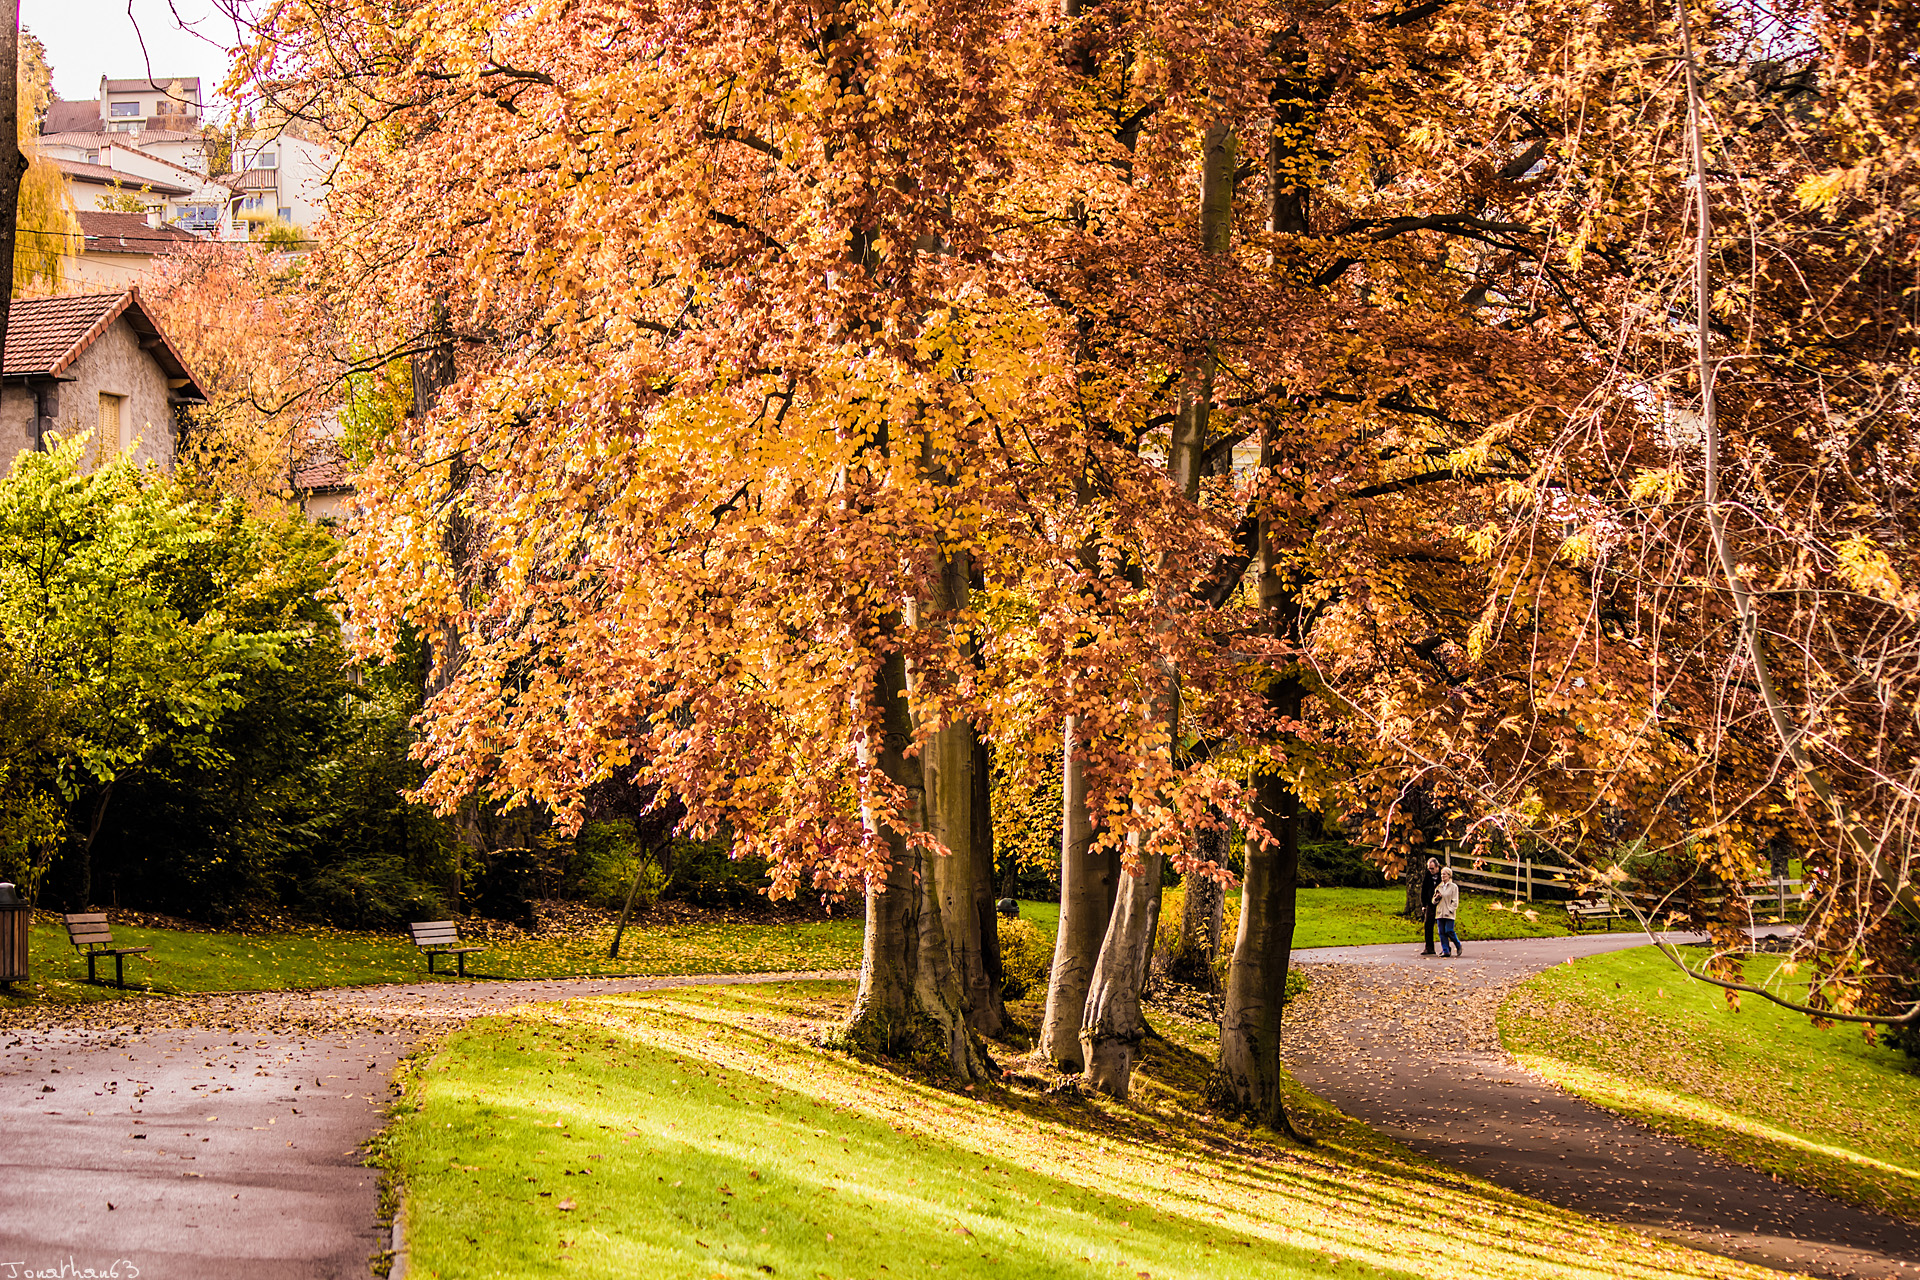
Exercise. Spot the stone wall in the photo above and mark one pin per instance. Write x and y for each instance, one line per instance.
(114, 364)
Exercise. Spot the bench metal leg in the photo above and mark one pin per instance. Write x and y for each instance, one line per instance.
(91, 957)
(430, 956)
(461, 961)
(119, 971)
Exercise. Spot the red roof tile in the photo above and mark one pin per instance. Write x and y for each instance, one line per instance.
(129, 233)
(46, 335)
(133, 183)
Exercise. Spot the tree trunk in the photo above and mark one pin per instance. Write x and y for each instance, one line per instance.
(910, 1003)
(964, 877)
(1247, 1076)
(1088, 884)
(1202, 917)
(1113, 1028)
(13, 161)
(985, 900)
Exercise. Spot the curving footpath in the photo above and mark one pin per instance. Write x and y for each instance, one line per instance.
(169, 1150)
(1408, 1044)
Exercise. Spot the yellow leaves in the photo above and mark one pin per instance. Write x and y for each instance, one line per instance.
(1477, 639)
(1825, 190)
(1867, 569)
(1658, 486)
(1580, 548)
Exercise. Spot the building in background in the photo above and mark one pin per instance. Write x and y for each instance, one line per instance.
(132, 106)
(92, 362)
(122, 249)
(284, 177)
(146, 142)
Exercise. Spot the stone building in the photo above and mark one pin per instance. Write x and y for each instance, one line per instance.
(92, 362)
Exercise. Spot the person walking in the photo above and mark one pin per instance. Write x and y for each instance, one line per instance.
(1429, 885)
(1446, 907)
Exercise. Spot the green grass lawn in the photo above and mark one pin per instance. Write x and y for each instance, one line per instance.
(703, 1133)
(1761, 1085)
(184, 962)
(187, 962)
(1350, 917)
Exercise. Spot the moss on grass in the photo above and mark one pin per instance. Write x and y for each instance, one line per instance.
(703, 1133)
(1760, 1085)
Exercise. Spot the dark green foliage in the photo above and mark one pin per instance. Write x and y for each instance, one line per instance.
(700, 872)
(295, 799)
(608, 857)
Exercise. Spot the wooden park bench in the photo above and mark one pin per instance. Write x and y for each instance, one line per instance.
(1580, 910)
(90, 933)
(441, 938)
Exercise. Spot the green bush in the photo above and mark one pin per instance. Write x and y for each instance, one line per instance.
(1025, 957)
(607, 857)
(702, 872)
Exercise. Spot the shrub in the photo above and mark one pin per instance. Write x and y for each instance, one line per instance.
(607, 858)
(702, 873)
(1025, 957)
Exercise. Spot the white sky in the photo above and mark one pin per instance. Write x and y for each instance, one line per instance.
(87, 39)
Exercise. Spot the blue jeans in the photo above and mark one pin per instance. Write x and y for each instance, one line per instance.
(1449, 940)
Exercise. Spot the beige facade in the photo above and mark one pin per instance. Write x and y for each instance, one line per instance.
(115, 383)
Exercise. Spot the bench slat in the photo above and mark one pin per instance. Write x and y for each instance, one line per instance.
(438, 935)
(88, 930)
(87, 917)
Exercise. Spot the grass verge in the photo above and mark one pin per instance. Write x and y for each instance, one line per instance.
(1760, 1085)
(701, 1133)
(183, 962)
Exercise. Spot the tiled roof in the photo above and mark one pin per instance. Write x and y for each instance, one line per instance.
(129, 233)
(46, 335)
(324, 470)
(96, 137)
(84, 172)
(69, 117)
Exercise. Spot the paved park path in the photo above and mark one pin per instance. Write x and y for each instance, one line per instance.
(231, 1147)
(1408, 1045)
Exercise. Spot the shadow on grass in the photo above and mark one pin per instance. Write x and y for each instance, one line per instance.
(706, 1132)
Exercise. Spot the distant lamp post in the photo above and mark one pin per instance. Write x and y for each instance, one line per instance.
(14, 918)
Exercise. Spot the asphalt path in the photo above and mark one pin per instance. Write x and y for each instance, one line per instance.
(1407, 1044)
(176, 1152)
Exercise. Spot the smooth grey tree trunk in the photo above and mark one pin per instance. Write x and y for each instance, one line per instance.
(1114, 1028)
(1088, 883)
(910, 1003)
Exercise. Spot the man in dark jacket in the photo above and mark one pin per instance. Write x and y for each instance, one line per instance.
(1429, 886)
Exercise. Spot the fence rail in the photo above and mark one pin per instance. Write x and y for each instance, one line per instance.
(1525, 879)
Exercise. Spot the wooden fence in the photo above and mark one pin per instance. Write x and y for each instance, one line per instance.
(1525, 879)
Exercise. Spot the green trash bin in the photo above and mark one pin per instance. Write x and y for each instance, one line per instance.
(14, 918)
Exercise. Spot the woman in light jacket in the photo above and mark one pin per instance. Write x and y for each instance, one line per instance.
(1446, 906)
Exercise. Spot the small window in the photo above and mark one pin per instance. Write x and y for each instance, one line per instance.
(123, 109)
(267, 160)
(286, 213)
(113, 429)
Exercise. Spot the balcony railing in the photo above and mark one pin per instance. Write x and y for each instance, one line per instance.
(260, 180)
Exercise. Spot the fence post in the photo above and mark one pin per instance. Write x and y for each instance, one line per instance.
(1781, 881)
(1529, 879)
